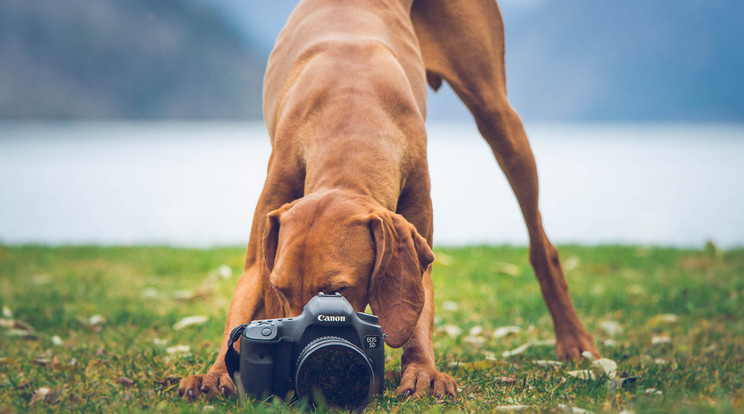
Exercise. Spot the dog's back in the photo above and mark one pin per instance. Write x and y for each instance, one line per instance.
(345, 97)
(358, 49)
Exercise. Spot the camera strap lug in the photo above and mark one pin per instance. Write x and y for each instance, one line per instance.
(232, 357)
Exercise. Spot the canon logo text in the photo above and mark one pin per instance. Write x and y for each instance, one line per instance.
(331, 318)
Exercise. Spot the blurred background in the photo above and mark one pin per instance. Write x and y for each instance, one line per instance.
(139, 122)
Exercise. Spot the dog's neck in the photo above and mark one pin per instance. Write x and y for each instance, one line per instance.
(357, 155)
(352, 115)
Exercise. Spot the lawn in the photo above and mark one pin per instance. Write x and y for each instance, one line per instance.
(88, 329)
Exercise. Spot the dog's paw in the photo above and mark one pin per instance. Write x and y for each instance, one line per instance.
(420, 379)
(209, 385)
(571, 346)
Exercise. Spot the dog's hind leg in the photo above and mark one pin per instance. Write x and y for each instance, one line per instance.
(462, 42)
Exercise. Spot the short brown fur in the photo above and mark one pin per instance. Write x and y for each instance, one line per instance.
(346, 205)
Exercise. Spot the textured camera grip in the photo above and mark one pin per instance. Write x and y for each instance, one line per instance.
(257, 369)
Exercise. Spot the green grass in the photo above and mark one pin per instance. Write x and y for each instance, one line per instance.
(141, 292)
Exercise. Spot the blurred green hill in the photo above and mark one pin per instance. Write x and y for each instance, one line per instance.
(608, 60)
(109, 59)
(571, 60)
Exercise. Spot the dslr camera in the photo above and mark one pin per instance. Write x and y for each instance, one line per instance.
(328, 355)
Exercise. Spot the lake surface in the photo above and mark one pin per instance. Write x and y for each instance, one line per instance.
(197, 183)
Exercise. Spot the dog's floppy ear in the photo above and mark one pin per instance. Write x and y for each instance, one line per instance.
(396, 288)
(271, 236)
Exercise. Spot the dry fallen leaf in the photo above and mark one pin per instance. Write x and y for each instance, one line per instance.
(474, 340)
(149, 293)
(512, 408)
(653, 391)
(42, 361)
(20, 333)
(489, 355)
(660, 340)
(574, 410)
(177, 349)
(583, 374)
(42, 394)
(506, 330)
(125, 381)
(611, 328)
(452, 330)
(543, 342)
(475, 331)
(543, 363)
(15, 325)
(449, 305)
(570, 264)
(469, 390)
(618, 383)
(96, 320)
(507, 380)
(660, 361)
(478, 365)
(185, 294)
(604, 366)
(516, 351)
(7, 313)
(663, 319)
(225, 272)
(506, 268)
(56, 340)
(520, 349)
(190, 320)
(640, 360)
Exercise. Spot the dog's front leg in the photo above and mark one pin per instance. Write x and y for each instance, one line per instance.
(420, 374)
(246, 305)
(248, 302)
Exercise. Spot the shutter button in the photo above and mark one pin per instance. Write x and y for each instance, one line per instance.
(266, 331)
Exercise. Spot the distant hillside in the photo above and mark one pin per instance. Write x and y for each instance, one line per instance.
(124, 59)
(569, 60)
(628, 60)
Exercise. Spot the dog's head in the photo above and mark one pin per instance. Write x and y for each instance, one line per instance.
(332, 242)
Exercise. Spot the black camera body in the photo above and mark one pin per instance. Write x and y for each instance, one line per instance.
(328, 349)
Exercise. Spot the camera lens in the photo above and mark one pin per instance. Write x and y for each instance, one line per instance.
(335, 370)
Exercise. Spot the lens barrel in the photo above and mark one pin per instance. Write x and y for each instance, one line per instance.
(334, 370)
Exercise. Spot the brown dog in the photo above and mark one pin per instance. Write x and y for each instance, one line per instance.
(346, 207)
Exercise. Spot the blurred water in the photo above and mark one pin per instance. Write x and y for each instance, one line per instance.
(196, 184)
